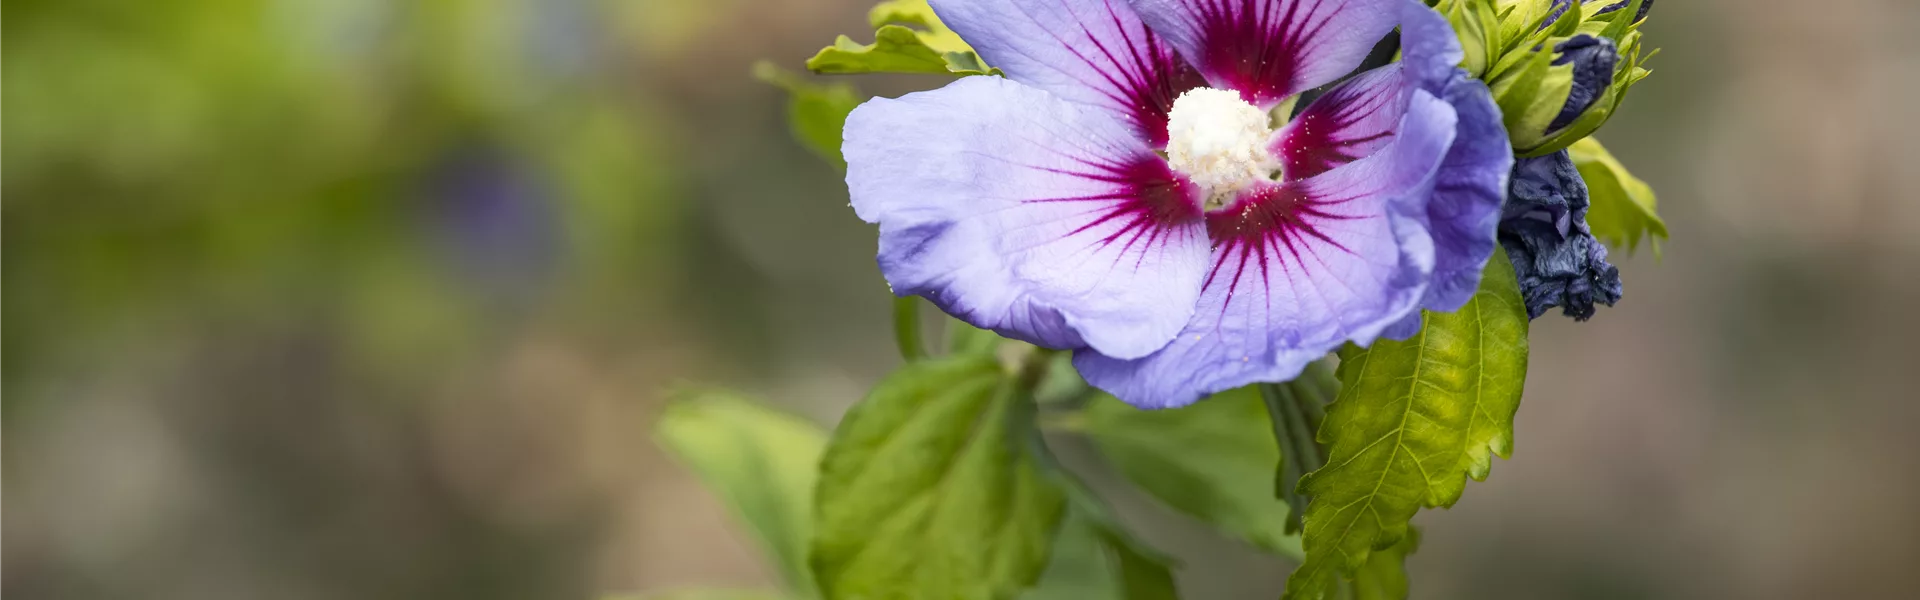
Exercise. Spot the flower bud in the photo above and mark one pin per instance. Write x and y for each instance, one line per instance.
(1645, 6)
(1564, 68)
(1478, 27)
(1524, 21)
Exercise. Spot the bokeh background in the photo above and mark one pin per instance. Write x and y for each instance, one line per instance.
(377, 299)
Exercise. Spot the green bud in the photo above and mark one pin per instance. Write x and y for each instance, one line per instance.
(1478, 27)
(1527, 23)
(1564, 72)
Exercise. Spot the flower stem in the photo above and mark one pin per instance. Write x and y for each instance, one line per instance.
(906, 327)
(1297, 408)
(1033, 369)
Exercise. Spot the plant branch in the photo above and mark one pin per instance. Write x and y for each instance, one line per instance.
(906, 327)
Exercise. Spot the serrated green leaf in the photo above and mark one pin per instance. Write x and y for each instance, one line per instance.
(1414, 419)
(929, 489)
(1623, 208)
(917, 13)
(816, 112)
(908, 38)
(1213, 460)
(761, 462)
(1385, 575)
(895, 49)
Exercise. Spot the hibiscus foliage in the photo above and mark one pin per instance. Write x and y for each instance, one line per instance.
(928, 488)
(908, 38)
(1414, 419)
(1623, 205)
(941, 482)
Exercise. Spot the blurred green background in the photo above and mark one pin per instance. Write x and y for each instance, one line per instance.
(377, 299)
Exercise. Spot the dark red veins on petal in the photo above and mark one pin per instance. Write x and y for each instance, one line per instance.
(1145, 200)
(1266, 228)
(1256, 46)
(1345, 125)
(1144, 73)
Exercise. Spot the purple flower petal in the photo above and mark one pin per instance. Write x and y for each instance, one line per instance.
(1092, 52)
(1299, 269)
(1347, 123)
(1464, 211)
(1022, 213)
(1358, 116)
(1430, 52)
(1271, 49)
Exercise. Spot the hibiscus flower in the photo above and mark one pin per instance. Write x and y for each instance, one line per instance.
(1138, 189)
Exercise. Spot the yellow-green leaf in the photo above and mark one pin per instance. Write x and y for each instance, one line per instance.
(1622, 208)
(1385, 575)
(908, 38)
(1413, 420)
(916, 13)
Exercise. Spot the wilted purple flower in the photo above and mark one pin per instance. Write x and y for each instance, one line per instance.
(1544, 229)
(1123, 191)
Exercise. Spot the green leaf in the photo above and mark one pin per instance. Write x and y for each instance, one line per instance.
(1623, 206)
(1095, 556)
(1620, 23)
(1477, 26)
(761, 462)
(1079, 568)
(908, 38)
(1213, 460)
(930, 490)
(1385, 575)
(1414, 419)
(1142, 576)
(1092, 560)
(895, 49)
(816, 113)
(1142, 572)
(701, 594)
